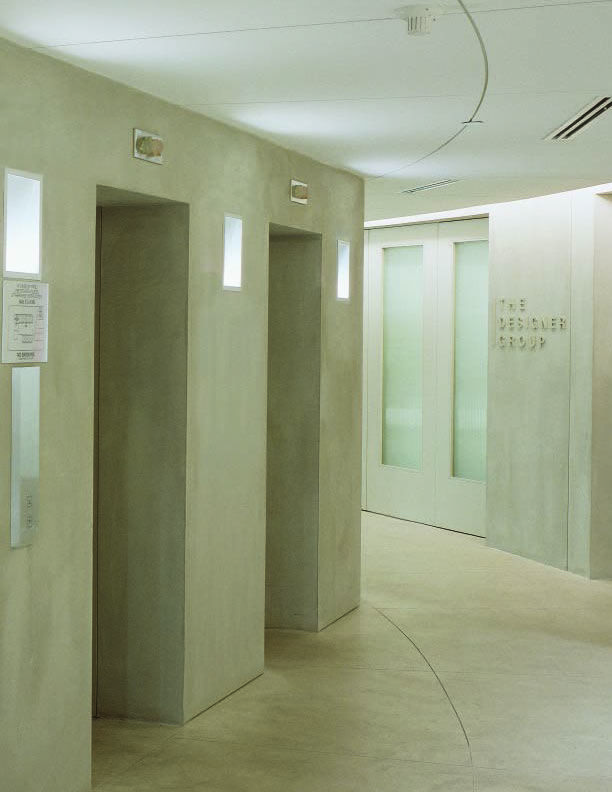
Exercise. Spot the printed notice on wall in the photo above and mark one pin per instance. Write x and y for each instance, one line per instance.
(25, 311)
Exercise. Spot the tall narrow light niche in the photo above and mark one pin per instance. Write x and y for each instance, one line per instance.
(22, 224)
(232, 253)
(344, 270)
(25, 455)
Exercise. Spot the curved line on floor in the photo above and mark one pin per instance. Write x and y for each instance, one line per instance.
(446, 693)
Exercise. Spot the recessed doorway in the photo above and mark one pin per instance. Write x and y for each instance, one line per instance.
(142, 258)
(294, 378)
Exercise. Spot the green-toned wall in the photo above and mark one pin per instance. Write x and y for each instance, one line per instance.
(144, 258)
(600, 462)
(294, 373)
(340, 431)
(549, 426)
(75, 128)
(529, 391)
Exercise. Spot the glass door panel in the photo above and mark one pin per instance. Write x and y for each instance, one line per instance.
(470, 360)
(426, 369)
(402, 430)
(400, 367)
(461, 390)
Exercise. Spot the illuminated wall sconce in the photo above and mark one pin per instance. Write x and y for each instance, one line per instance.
(22, 224)
(344, 270)
(299, 192)
(148, 146)
(232, 253)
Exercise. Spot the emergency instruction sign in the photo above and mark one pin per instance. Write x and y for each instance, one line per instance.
(25, 314)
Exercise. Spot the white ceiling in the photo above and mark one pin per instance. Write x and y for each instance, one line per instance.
(341, 81)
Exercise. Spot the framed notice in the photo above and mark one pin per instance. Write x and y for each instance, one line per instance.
(25, 310)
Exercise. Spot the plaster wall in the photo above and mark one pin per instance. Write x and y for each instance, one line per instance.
(75, 128)
(339, 581)
(581, 385)
(600, 548)
(140, 597)
(294, 373)
(549, 455)
(529, 390)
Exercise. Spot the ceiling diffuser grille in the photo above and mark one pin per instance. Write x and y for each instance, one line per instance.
(582, 120)
(418, 18)
(432, 186)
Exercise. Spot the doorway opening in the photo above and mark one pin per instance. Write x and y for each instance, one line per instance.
(294, 376)
(140, 408)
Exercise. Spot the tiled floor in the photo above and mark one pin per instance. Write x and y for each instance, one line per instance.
(465, 669)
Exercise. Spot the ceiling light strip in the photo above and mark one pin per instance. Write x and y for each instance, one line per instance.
(432, 186)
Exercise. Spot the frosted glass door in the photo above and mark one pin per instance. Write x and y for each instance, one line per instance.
(399, 476)
(426, 416)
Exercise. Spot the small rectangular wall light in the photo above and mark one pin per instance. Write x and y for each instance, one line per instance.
(25, 455)
(232, 253)
(344, 270)
(22, 224)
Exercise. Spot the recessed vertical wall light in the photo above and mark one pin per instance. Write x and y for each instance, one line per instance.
(344, 270)
(232, 252)
(22, 224)
(25, 445)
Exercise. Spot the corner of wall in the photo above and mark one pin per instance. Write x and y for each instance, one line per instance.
(581, 380)
(600, 550)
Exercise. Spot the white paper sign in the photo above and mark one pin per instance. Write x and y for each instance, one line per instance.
(25, 309)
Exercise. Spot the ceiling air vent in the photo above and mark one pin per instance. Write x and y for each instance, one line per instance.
(432, 186)
(582, 120)
(418, 18)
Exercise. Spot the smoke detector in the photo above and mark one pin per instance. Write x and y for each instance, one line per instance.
(418, 18)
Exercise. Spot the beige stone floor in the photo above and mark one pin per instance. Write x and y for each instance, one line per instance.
(465, 669)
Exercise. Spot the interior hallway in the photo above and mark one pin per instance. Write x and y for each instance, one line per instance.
(509, 688)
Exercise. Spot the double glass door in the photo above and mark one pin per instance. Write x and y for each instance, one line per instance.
(426, 339)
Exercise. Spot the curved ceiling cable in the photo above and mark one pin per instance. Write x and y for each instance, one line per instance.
(485, 59)
(471, 119)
